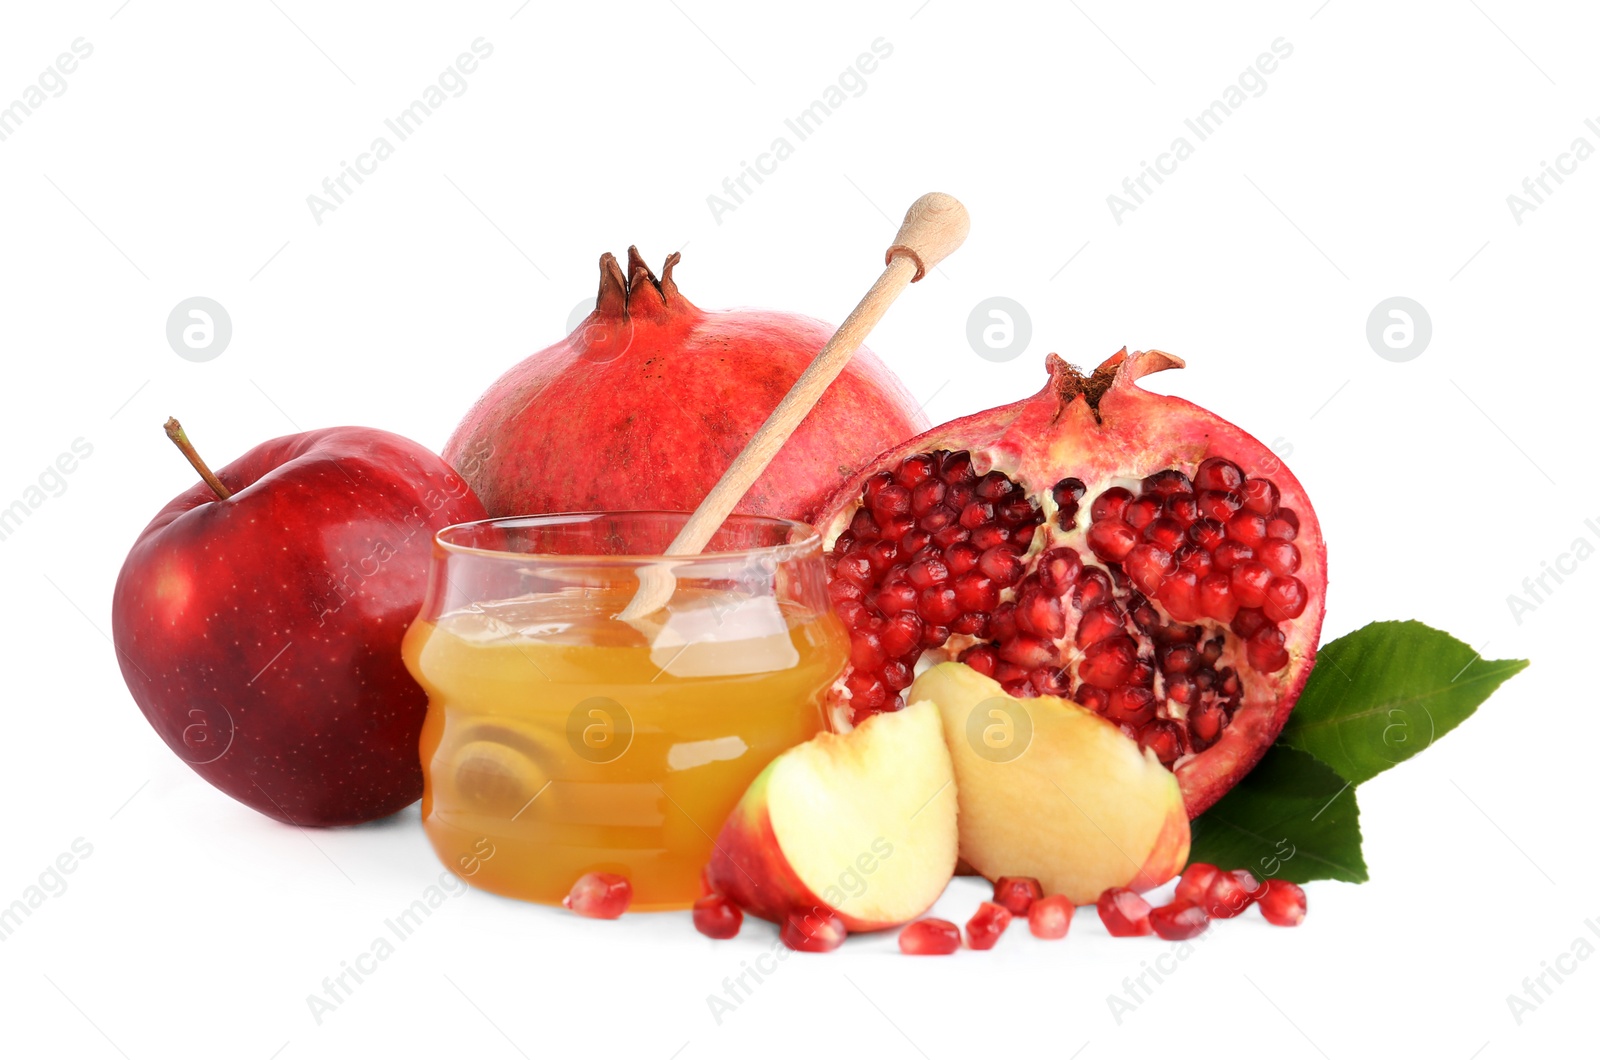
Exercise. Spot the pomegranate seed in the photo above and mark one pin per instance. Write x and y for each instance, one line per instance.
(1208, 722)
(1180, 595)
(1017, 512)
(1281, 556)
(1265, 651)
(1068, 491)
(816, 932)
(1109, 505)
(902, 635)
(915, 541)
(601, 895)
(1003, 566)
(1147, 565)
(1003, 622)
(977, 513)
(1140, 513)
(898, 676)
(1040, 614)
(1216, 597)
(993, 486)
(1017, 893)
(950, 536)
(1030, 652)
(894, 500)
(961, 494)
(1209, 534)
(928, 571)
(1095, 699)
(1097, 624)
(1059, 569)
(976, 592)
(1022, 537)
(973, 623)
(858, 569)
(961, 557)
(1107, 663)
(981, 658)
(841, 591)
(1167, 483)
(875, 487)
(940, 521)
(1194, 882)
(1286, 599)
(1131, 705)
(1283, 524)
(915, 470)
(1231, 554)
(1229, 894)
(881, 555)
(1196, 561)
(1161, 738)
(1178, 921)
(896, 526)
(1248, 622)
(1260, 496)
(930, 938)
(1249, 581)
(935, 636)
(987, 925)
(1094, 587)
(1166, 533)
(938, 605)
(927, 496)
(1247, 528)
(867, 692)
(1284, 903)
(1218, 505)
(1051, 681)
(989, 535)
(1183, 508)
(957, 467)
(1215, 473)
(1050, 918)
(716, 917)
(1123, 912)
(866, 651)
(896, 596)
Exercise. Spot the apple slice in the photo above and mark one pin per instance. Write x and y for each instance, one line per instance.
(1051, 790)
(861, 824)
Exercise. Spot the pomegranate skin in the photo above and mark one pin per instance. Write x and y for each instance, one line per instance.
(646, 404)
(1104, 430)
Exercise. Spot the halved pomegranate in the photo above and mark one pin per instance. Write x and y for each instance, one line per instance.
(1128, 550)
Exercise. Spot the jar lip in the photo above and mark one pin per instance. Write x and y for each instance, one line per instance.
(804, 538)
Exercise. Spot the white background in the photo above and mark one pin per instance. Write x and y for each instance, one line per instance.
(1377, 163)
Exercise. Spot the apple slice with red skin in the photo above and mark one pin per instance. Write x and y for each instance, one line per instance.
(1074, 803)
(861, 825)
(258, 618)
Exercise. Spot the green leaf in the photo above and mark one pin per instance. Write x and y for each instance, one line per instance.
(1291, 817)
(1386, 692)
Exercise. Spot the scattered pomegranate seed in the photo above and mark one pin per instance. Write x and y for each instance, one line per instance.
(1195, 882)
(987, 925)
(602, 895)
(1177, 921)
(1283, 904)
(930, 938)
(1123, 912)
(717, 918)
(1230, 893)
(815, 932)
(1017, 893)
(1050, 918)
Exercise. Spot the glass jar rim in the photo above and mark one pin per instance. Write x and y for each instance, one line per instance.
(804, 538)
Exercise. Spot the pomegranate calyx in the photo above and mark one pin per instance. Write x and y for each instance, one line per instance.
(639, 292)
(1120, 370)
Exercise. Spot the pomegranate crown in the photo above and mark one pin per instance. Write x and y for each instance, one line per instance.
(638, 292)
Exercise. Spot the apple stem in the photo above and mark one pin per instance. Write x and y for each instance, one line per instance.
(186, 447)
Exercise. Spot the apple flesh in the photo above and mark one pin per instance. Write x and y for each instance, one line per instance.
(1074, 803)
(260, 634)
(861, 825)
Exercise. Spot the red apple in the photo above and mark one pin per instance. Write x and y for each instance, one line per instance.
(861, 826)
(258, 620)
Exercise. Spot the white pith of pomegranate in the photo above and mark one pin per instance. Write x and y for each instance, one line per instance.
(1127, 550)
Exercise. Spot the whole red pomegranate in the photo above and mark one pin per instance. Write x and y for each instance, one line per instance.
(1128, 550)
(647, 403)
